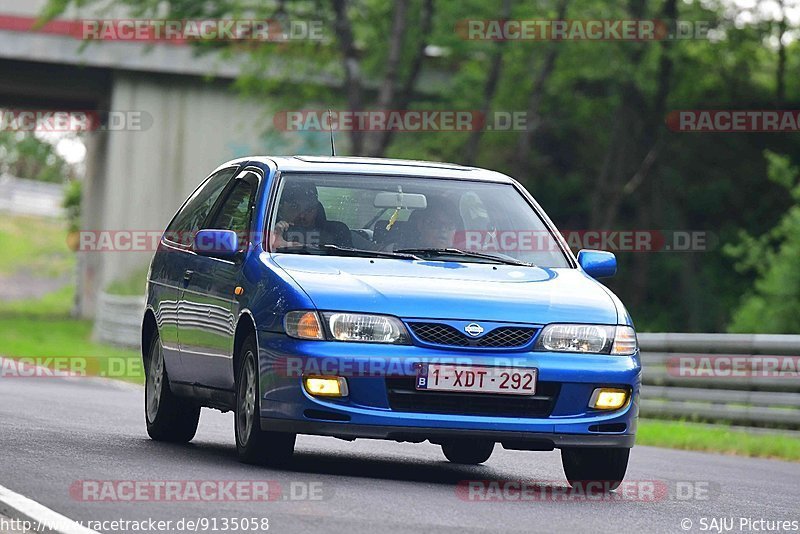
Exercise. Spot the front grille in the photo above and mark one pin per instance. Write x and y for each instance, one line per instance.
(507, 337)
(444, 334)
(440, 334)
(404, 397)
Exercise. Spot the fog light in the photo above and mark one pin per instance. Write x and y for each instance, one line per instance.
(608, 398)
(326, 386)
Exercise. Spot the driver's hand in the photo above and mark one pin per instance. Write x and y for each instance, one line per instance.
(276, 239)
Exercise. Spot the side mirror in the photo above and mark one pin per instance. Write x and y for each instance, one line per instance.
(219, 243)
(597, 263)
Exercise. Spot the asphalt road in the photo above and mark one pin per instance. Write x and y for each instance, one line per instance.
(54, 432)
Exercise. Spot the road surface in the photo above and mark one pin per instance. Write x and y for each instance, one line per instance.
(56, 432)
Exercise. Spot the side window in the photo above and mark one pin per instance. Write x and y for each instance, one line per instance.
(235, 211)
(196, 210)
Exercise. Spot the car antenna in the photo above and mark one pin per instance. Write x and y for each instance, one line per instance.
(330, 127)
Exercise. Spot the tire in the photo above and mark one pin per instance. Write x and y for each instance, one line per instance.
(168, 417)
(604, 465)
(256, 446)
(468, 451)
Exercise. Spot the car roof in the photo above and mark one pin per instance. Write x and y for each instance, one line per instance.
(376, 166)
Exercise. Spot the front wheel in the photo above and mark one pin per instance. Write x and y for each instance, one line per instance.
(256, 446)
(469, 452)
(168, 417)
(606, 466)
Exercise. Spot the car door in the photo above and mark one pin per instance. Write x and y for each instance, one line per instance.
(210, 309)
(170, 264)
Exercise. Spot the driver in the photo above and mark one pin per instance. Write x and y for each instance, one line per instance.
(432, 227)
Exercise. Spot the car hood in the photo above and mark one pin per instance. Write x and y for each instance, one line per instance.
(450, 290)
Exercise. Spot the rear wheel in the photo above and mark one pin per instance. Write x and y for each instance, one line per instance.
(168, 417)
(468, 451)
(593, 465)
(255, 446)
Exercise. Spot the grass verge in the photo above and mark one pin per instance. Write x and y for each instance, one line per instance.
(726, 440)
(35, 245)
(41, 332)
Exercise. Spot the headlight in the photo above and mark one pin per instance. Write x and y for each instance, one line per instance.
(588, 338)
(365, 328)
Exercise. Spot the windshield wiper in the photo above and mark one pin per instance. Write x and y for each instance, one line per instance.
(507, 260)
(349, 251)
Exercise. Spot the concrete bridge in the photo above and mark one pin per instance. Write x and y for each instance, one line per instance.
(135, 179)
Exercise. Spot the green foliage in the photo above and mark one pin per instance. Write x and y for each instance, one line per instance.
(24, 155)
(600, 113)
(773, 304)
(72, 204)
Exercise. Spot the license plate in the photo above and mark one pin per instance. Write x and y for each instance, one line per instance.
(477, 379)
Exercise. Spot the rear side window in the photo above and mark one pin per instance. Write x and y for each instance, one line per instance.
(236, 210)
(194, 213)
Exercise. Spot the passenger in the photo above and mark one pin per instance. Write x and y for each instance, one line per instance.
(302, 220)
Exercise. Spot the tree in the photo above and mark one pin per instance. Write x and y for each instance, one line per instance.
(773, 304)
(24, 155)
(596, 152)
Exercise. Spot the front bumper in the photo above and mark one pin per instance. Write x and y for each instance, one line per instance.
(367, 413)
(520, 440)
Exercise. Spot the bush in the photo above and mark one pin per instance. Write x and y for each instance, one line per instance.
(773, 305)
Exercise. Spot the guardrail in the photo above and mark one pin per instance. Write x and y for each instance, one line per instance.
(705, 395)
(722, 378)
(30, 197)
(118, 319)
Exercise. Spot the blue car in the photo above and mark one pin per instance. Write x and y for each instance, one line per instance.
(386, 299)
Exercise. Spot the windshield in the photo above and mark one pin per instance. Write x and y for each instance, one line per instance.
(434, 219)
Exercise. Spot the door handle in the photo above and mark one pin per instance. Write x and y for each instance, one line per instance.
(188, 275)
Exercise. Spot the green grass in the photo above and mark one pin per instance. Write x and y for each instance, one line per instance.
(66, 344)
(692, 436)
(35, 245)
(40, 329)
(57, 304)
(35, 330)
